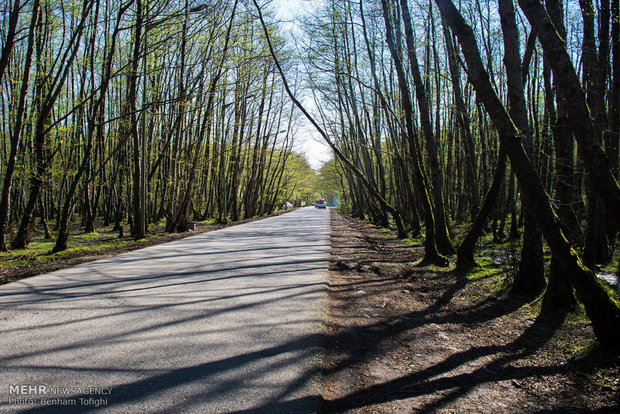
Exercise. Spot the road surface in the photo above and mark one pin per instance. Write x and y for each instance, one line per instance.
(226, 321)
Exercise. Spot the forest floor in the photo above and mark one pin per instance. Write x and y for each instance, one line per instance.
(86, 247)
(402, 338)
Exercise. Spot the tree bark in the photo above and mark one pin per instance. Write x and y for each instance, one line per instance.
(559, 294)
(19, 120)
(596, 249)
(530, 279)
(463, 121)
(444, 244)
(432, 255)
(465, 252)
(601, 309)
(614, 117)
(9, 40)
(132, 92)
(595, 161)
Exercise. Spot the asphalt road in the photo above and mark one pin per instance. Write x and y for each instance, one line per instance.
(226, 321)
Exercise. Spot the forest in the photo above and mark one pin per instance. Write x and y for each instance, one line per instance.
(447, 121)
(135, 112)
(498, 116)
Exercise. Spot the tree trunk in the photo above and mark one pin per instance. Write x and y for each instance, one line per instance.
(614, 118)
(9, 40)
(43, 160)
(559, 294)
(432, 255)
(19, 119)
(444, 245)
(601, 309)
(465, 252)
(462, 117)
(596, 248)
(530, 279)
(139, 225)
(595, 161)
(63, 233)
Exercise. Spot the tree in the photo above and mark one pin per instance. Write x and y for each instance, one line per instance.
(371, 189)
(579, 118)
(602, 311)
(95, 114)
(15, 136)
(444, 245)
(432, 254)
(530, 279)
(41, 130)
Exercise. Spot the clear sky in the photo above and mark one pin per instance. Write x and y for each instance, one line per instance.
(288, 9)
(307, 139)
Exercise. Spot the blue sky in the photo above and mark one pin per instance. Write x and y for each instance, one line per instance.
(307, 139)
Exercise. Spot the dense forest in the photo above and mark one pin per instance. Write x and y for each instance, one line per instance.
(140, 111)
(447, 121)
(496, 116)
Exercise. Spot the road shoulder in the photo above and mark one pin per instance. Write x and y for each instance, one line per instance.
(404, 338)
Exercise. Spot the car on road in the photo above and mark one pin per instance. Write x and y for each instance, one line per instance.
(320, 203)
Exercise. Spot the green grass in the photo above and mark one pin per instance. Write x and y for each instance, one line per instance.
(207, 222)
(415, 241)
(614, 263)
(39, 249)
(105, 239)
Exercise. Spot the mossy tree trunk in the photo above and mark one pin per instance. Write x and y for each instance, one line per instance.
(601, 309)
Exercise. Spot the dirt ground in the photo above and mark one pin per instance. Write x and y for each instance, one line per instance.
(403, 338)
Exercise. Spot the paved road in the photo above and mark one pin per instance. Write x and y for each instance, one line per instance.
(227, 321)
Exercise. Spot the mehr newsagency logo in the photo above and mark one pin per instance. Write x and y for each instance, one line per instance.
(47, 395)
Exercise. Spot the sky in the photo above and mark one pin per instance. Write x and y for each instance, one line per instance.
(307, 139)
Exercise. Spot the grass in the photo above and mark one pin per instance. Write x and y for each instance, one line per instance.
(414, 241)
(614, 264)
(501, 259)
(103, 241)
(79, 244)
(207, 222)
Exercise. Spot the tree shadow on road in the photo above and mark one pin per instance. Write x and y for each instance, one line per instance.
(266, 285)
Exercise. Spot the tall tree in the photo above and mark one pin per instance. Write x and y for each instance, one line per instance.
(9, 38)
(603, 311)
(432, 255)
(371, 189)
(41, 129)
(595, 161)
(15, 136)
(530, 279)
(444, 245)
(94, 115)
